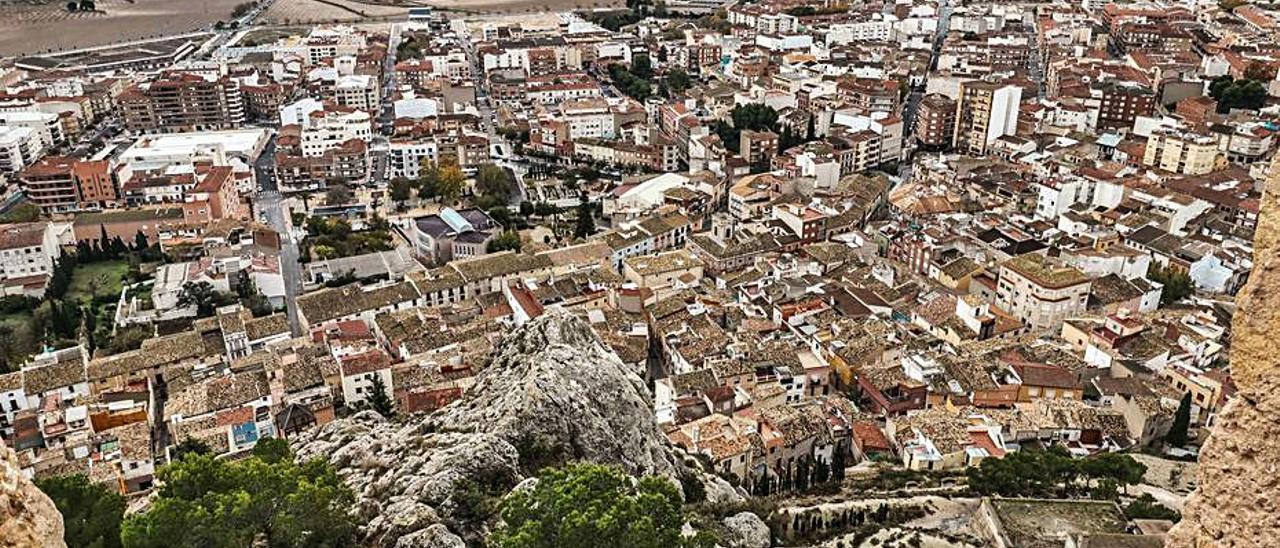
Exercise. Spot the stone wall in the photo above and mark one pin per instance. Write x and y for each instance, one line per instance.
(1236, 503)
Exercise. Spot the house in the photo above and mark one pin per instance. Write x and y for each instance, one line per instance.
(228, 410)
(939, 439)
(358, 376)
(664, 273)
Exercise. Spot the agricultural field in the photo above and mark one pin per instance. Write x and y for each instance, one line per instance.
(27, 28)
(289, 12)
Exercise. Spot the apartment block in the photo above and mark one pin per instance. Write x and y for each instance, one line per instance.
(182, 102)
(1041, 292)
(986, 112)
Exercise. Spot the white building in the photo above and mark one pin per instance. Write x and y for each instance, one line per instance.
(46, 124)
(588, 118)
(359, 91)
(1040, 292)
(328, 129)
(406, 157)
(299, 113)
(176, 152)
(27, 254)
(19, 148)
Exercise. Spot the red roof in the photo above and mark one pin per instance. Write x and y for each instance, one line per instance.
(871, 437)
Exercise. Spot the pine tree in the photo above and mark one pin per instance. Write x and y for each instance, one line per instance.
(140, 242)
(118, 248)
(378, 400)
(1177, 436)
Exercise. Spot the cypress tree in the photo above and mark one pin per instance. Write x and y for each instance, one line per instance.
(1177, 436)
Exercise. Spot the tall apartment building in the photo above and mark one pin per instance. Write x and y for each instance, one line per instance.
(935, 121)
(65, 183)
(19, 148)
(757, 146)
(46, 124)
(1181, 152)
(358, 91)
(1119, 103)
(181, 102)
(985, 112)
(330, 128)
(1041, 292)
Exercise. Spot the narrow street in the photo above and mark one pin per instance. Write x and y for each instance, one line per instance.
(912, 106)
(269, 204)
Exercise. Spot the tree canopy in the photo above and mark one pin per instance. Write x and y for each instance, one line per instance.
(91, 513)
(588, 505)
(449, 182)
(1054, 473)
(1177, 284)
(494, 181)
(1231, 93)
(1146, 507)
(207, 502)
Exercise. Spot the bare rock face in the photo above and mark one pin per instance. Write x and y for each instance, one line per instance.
(27, 517)
(551, 388)
(1235, 504)
(746, 530)
(553, 383)
(436, 536)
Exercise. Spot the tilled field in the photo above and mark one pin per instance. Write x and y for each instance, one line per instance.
(26, 29)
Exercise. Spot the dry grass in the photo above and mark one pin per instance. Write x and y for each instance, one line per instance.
(26, 29)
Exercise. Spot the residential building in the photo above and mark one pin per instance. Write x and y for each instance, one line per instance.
(1041, 292)
(985, 112)
(183, 101)
(27, 255)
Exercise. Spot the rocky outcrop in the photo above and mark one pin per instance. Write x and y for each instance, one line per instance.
(435, 536)
(27, 517)
(551, 392)
(1235, 504)
(553, 384)
(746, 530)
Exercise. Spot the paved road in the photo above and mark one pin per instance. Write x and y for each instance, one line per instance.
(270, 208)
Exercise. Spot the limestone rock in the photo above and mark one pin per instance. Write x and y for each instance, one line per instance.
(746, 530)
(719, 491)
(553, 382)
(27, 517)
(435, 536)
(1235, 503)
